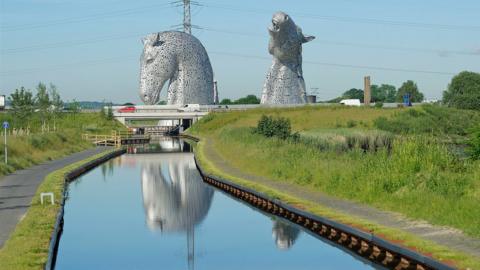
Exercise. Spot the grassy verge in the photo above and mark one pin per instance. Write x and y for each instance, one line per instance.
(26, 151)
(411, 168)
(459, 259)
(27, 247)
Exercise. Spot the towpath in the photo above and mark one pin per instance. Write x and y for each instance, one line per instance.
(445, 236)
(17, 189)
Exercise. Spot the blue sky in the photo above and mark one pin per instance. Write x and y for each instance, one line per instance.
(91, 49)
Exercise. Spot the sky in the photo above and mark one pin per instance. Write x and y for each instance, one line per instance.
(90, 49)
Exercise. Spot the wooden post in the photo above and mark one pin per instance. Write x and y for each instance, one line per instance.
(366, 91)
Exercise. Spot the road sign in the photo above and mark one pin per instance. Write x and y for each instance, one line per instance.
(5, 126)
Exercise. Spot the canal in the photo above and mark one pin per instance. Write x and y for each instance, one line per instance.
(151, 210)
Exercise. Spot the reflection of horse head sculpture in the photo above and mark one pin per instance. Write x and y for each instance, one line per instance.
(284, 234)
(181, 59)
(174, 195)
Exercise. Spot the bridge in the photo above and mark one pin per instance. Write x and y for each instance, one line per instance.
(164, 116)
(160, 115)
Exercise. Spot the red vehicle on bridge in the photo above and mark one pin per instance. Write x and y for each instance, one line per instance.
(127, 109)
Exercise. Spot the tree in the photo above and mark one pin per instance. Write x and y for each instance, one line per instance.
(463, 91)
(226, 101)
(250, 99)
(22, 103)
(56, 102)
(409, 87)
(353, 94)
(109, 114)
(42, 103)
(390, 92)
(74, 107)
(383, 93)
(378, 95)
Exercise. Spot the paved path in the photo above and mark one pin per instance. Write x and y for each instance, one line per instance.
(445, 236)
(17, 189)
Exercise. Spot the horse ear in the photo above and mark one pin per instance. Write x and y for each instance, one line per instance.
(143, 40)
(157, 37)
(307, 39)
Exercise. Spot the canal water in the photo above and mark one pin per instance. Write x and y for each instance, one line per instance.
(151, 210)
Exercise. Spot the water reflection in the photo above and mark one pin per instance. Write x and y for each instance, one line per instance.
(161, 145)
(164, 193)
(284, 234)
(174, 196)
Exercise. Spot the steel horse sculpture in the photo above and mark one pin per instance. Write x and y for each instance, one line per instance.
(181, 59)
(285, 83)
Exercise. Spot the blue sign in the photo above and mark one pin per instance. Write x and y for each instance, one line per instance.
(5, 124)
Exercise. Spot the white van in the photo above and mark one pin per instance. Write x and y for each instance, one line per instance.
(190, 108)
(350, 102)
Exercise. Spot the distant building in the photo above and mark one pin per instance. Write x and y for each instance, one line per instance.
(311, 99)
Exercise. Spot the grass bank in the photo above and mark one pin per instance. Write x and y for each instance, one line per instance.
(28, 150)
(438, 252)
(28, 246)
(418, 174)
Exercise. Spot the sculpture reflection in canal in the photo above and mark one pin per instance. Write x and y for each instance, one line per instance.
(175, 198)
(284, 234)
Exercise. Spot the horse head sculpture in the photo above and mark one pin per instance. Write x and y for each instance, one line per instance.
(181, 59)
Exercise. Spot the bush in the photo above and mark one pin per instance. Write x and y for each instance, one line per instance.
(274, 127)
(351, 123)
(474, 143)
(378, 105)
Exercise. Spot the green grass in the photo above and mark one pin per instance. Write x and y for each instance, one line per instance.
(416, 174)
(27, 247)
(25, 151)
(439, 252)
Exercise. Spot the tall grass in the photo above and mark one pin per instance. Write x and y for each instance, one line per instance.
(417, 177)
(413, 172)
(38, 147)
(430, 119)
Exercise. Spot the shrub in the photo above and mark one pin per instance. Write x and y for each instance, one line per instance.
(474, 143)
(274, 127)
(351, 123)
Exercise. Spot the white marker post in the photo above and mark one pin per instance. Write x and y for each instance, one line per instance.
(5, 127)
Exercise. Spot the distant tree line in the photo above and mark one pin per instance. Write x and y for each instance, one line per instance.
(385, 93)
(249, 99)
(47, 103)
(463, 92)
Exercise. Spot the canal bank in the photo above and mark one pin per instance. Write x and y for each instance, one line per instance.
(17, 189)
(31, 244)
(300, 218)
(443, 244)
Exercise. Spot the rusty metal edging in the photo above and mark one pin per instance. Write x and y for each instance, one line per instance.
(364, 244)
(69, 177)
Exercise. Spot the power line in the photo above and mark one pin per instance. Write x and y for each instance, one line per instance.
(354, 19)
(122, 58)
(340, 65)
(68, 43)
(92, 17)
(441, 52)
